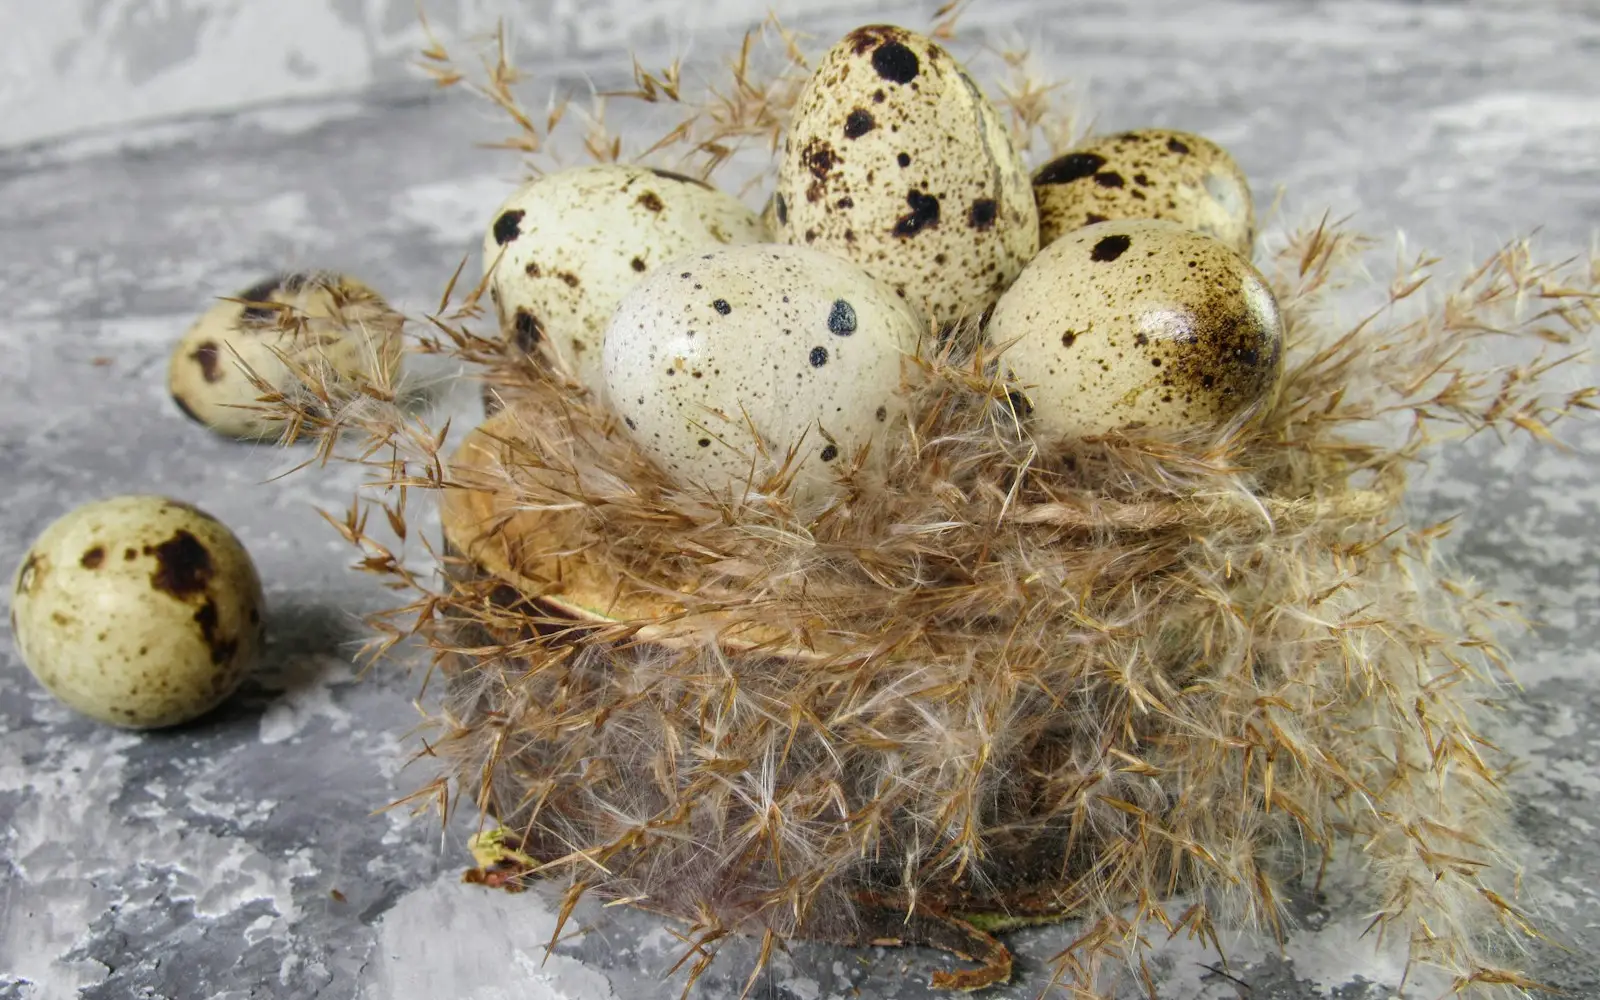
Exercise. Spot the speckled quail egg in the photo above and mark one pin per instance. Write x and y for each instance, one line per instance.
(332, 327)
(564, 249)
(806, 347)
(139, 611)
(1151, 173)
(896, 160)
(1137, 323)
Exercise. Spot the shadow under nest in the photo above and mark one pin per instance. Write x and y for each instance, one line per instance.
(998, 682)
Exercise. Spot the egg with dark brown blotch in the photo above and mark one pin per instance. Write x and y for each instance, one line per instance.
(1138, 323)
(1148, 173)
(718, 356)
(563, 250)
(896, 160)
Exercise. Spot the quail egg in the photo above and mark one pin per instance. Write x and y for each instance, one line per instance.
(564, 249)
(330, 326)
(804, 348)
(896, 160)
(1149, 173)
(139, 611)
(1138, 323)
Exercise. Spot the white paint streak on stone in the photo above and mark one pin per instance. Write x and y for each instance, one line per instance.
(450, 940)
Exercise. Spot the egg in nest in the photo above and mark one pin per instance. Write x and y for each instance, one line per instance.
(566, 247)
(1139, 323)
(773, 345)
(896, 160)
(1148, 173)
(326, 328)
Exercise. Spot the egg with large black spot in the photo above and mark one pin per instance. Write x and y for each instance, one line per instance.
(139, 611)
(564, 249)
(718, 364)
(896, 160)
(1140, 323)
(286, 330)
(1151, 173)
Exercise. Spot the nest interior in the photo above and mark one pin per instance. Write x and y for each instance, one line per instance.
(993, 679)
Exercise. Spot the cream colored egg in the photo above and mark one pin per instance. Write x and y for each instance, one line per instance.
(565, 248)
(896, 160)
(1149, 173)
(803, 347)
(326, 327)
(139, 611)
(1137, 323)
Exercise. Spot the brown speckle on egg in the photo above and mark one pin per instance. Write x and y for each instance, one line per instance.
(651, 202)
(858, 123)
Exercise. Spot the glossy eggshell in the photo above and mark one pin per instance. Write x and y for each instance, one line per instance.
(138, 611)
(565, 248)
(346, 332)
(1138, 323)
(805, 345)
(1147, 174)
(896, 160)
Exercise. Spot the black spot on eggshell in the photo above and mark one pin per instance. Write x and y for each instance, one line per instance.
(842, 318)
(982, 214)
(830, 453)
(93, 558)
(631, 425)
(1019, 403)
(222, 649)
(651, 201)
(858, 123)
(882, 414)
(1069, 338)
(1109, 248)
(209, 357)
(508, 227)
(783, 212)
(638, 264)
(924, 213)
(570, 279)
(1178, 146)
(680, 178)
(819, 357)
(904, 159)
(721, 306)
(1108, 179)
(183, 565)
(527, 331)
(895, 62)
(1069, 168)
(704, 442)
(262, 292)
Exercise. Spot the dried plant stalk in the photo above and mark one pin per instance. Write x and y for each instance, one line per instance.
(1004, 680)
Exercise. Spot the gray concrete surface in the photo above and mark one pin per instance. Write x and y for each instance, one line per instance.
(242, 856)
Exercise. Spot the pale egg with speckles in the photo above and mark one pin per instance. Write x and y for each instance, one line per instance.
(1151, 173)
(566, 247)
(1138, 323)
(803, 348)
(896, 160)
(138, 611)
(323, 327)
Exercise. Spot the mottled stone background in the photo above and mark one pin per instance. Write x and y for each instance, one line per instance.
(243, 856)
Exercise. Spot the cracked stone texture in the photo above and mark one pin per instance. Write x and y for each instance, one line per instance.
(244, 856)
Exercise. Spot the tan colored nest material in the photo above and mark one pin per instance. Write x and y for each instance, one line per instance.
(1000, 682)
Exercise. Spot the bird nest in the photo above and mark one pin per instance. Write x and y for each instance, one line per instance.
(990, 682)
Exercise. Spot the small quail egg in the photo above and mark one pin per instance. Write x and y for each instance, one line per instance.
(1149, 173)
(803, 345)
(896, 160)
(1138, 323)
(332, 326)
(564, 249)
(139, 611)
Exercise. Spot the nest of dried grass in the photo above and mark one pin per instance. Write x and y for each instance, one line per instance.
(994, 683)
